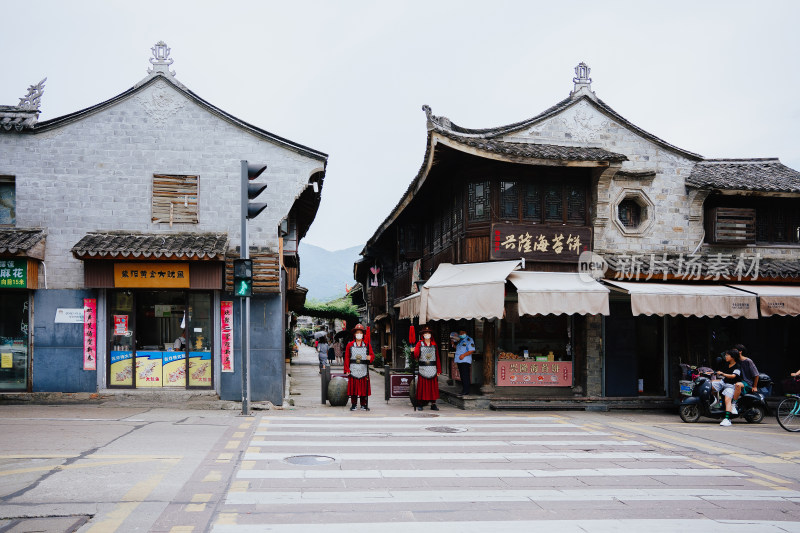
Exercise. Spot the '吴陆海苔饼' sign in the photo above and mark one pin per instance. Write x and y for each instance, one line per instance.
(536, 242)
(145, 275)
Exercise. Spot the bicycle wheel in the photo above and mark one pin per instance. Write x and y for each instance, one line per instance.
(788, 413)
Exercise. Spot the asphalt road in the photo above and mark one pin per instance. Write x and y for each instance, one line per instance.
(103, 469)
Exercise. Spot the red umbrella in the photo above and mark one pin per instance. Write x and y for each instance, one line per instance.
(412, 335)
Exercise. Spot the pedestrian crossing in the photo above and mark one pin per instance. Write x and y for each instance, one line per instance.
(482, 473)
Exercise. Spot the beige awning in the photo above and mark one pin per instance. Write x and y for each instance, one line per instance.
(775, 300)
(688, 300)
(469, 290)
(408, 307)
(559, 293)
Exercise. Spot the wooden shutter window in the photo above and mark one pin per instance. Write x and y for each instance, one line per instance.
(175, 199)
(733, 225)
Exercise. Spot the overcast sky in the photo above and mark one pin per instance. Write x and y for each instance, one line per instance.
(349, 78)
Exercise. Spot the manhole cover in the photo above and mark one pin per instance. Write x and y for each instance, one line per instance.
(446, 429)
(309, 460)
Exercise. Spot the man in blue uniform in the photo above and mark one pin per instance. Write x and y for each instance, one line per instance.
(464, 350)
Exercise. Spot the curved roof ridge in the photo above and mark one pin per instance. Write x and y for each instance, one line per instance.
(77, 115)
(441, 123)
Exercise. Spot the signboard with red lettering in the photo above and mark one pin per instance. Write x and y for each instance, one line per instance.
(226, 315)
(537, 242)
(534, 373)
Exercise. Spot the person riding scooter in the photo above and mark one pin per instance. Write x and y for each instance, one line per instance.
(730, 375)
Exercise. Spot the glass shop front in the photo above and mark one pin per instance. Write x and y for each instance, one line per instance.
(160, 338)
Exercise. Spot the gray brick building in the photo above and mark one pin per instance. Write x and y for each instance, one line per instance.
(147, 181)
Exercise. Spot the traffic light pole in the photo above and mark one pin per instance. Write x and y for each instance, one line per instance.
(245, 300)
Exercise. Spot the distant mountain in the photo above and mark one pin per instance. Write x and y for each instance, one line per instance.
(325, 273)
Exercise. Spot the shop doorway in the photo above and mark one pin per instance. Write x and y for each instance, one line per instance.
(14, 319)
(160, 339)
(634, 353)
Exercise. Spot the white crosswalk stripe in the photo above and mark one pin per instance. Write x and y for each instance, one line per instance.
(496, 467)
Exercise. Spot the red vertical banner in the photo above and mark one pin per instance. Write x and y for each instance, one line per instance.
(226, 315)
(89, 334)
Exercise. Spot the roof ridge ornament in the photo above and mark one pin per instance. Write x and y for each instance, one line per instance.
(582, 81)
(161, 60)
(33, 100)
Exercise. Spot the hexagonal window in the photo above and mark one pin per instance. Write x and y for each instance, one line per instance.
(634, 212)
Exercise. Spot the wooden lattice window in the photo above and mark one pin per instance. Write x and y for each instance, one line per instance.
(576, 204)
(478, 198)
(175, 199)
(509, 200)
(532, 208)
(553, 203)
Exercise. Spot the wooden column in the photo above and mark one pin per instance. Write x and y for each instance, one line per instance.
(489, 349)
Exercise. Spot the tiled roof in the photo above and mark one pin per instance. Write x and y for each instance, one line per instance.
(17, 118)
(209, 246)
(441, 124)
(764, 175)
(20, 241)
(536, 151)
(684, 267)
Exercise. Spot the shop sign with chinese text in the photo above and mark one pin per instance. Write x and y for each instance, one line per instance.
(226, 316)
(536, 242)
(534, 373)
(13, 273)
(89, 334)
(151, 275)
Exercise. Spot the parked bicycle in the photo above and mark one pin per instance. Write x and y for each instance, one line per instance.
(788, 413)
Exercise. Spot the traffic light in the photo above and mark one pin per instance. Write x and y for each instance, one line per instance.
(251, 171)
(243, 277)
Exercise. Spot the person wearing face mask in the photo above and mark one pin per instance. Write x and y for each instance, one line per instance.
(430, 366)
(464, 350)
(357, 357)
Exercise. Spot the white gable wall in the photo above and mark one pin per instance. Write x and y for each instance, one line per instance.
(583, 125)
(96, 174)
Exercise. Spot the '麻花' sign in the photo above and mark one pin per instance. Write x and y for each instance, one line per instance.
(535, 242)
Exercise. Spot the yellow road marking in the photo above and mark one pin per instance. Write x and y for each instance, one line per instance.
(702, 463)
(789, 455)
(232, 444)
(240, 486)
(224, 457)
(130, 501)
(213, 476)
(764, 459)
(245, 425)
(660, 444)
(181, 529)
(253, 449)
(195, 507)
(226, 518)
(248, 465)
(71, 467)
(763, 483)
(765, 476)
(201, 497)
(238, 435)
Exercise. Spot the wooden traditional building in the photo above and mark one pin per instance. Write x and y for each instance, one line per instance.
(506, 231)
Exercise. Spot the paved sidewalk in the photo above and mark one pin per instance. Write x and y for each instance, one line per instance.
(305, 391)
